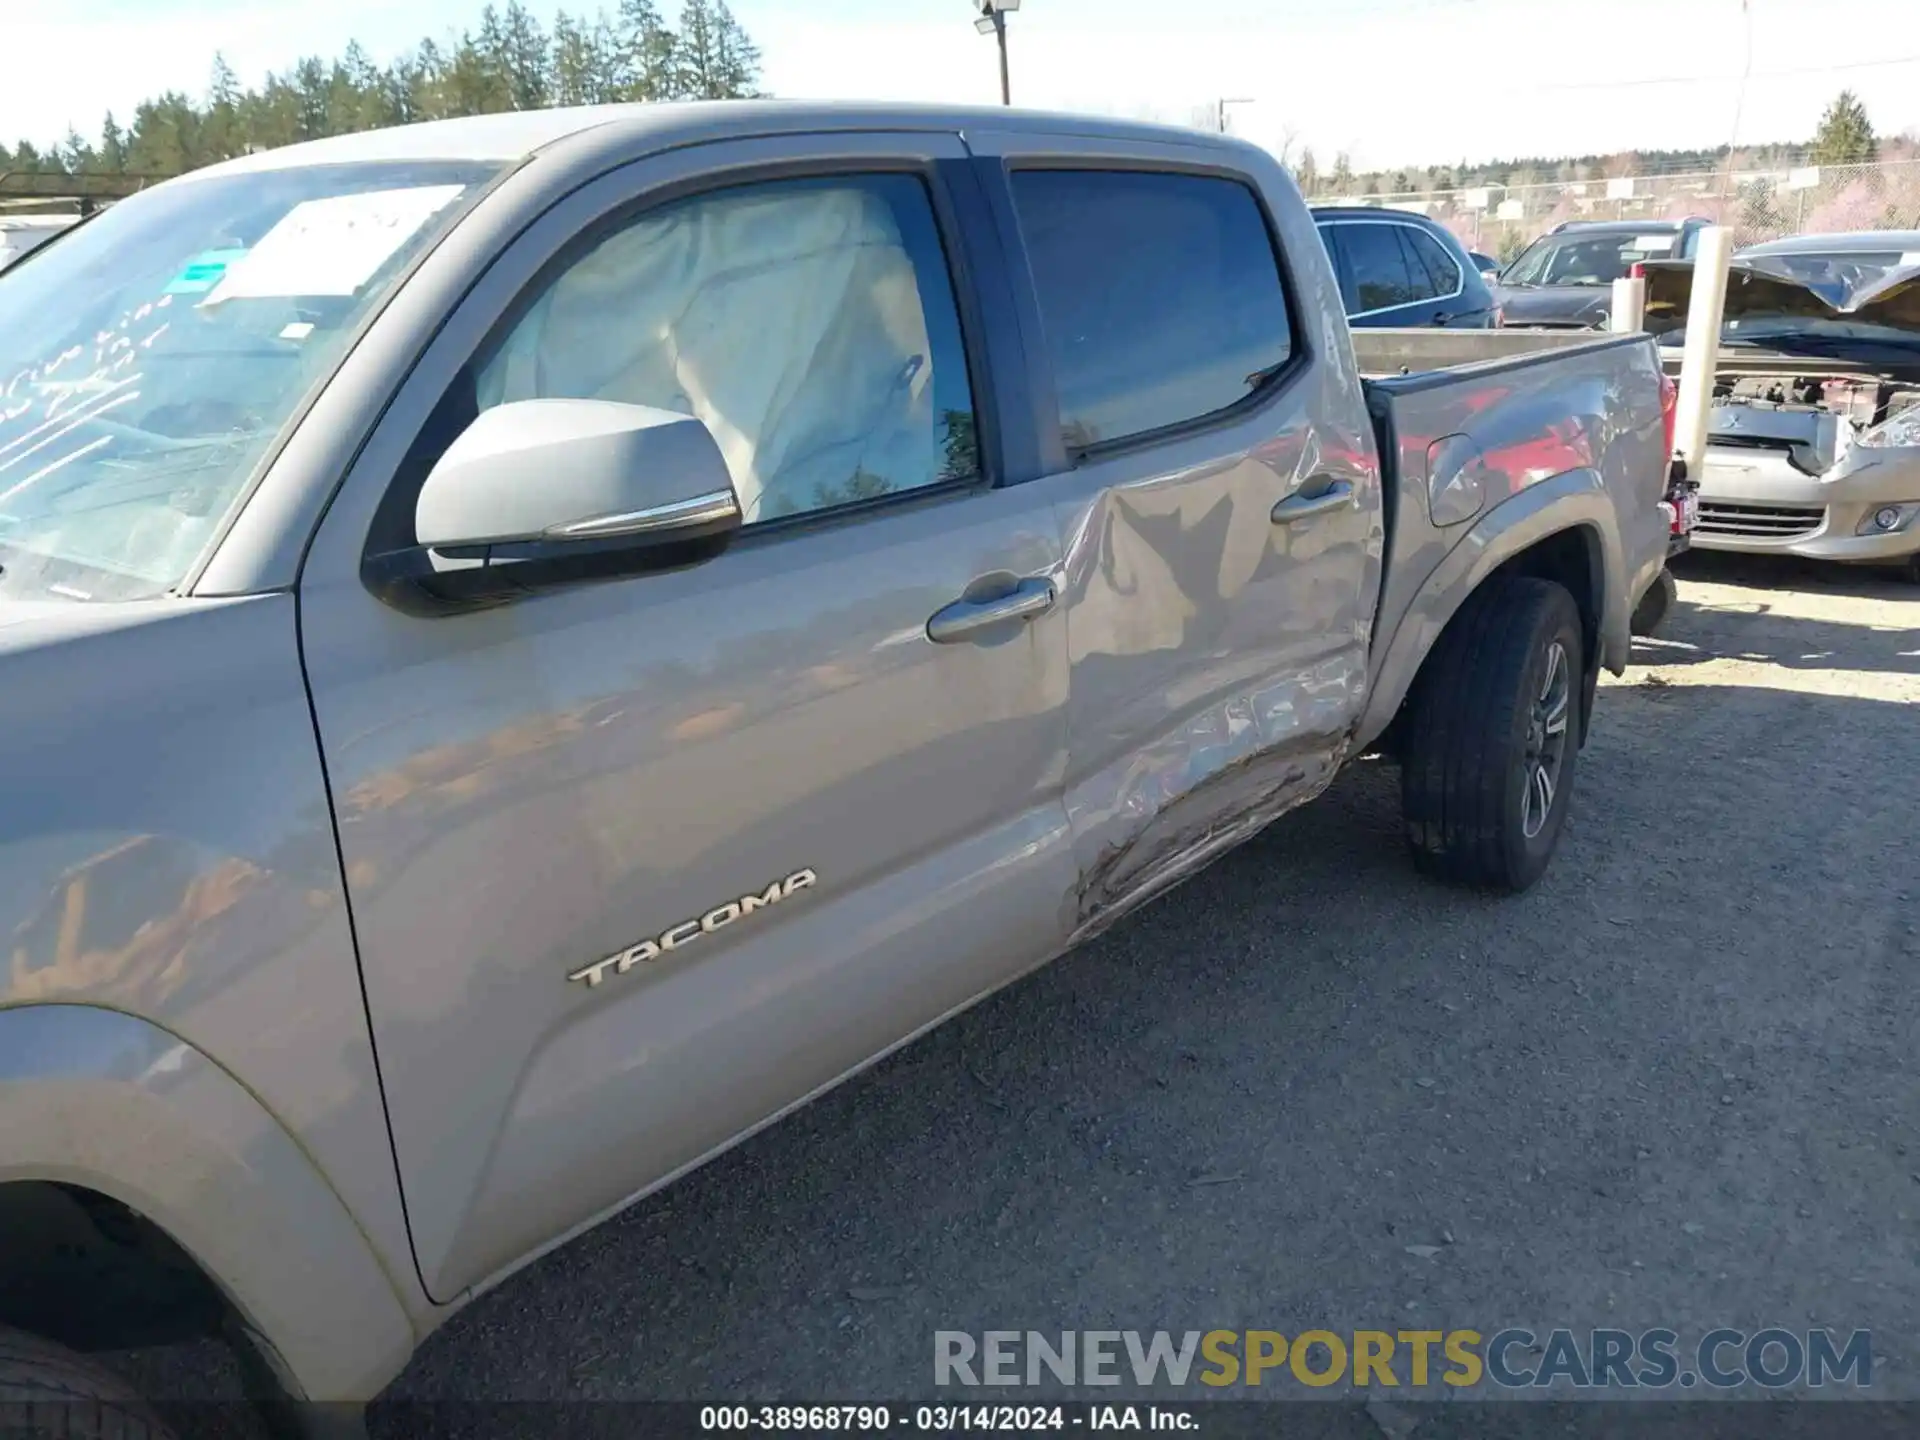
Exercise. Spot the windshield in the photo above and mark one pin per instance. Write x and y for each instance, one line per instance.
(148, 361)
(1585, 260)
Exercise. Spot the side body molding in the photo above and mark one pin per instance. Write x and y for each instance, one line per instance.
(1574, 499)
(98, 1098)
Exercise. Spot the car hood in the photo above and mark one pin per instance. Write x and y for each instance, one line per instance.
(1554, 304)
(1762, 285)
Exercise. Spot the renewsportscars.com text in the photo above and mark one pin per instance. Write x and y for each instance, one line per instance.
(1773, 1358)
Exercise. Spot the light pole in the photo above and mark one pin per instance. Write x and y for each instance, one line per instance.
(1220, 112)
(993, 21)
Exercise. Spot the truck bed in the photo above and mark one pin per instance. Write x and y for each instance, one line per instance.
(1470, 421)
(1401, 352)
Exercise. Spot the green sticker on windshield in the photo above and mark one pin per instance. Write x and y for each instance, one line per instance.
(203, 272)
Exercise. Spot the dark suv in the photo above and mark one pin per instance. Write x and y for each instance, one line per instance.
(1401, 269)
(1564, 280)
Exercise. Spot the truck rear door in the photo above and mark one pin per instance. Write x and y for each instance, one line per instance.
(1212, 467)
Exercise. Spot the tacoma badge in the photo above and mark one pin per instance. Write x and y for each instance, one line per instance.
(674, 936)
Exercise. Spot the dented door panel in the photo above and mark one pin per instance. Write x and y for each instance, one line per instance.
(1218, 659)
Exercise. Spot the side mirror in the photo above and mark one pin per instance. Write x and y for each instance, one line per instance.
(1492, 277)
(538, 493)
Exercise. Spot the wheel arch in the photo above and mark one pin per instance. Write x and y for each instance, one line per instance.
(1563, 529)
(218, 1204)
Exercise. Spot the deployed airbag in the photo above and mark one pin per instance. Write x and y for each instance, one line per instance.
(788, 320)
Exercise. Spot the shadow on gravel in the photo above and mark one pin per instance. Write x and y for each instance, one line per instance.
(1790, 572)
(1695, 634)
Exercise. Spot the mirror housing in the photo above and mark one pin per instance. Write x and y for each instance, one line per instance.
(537, 493)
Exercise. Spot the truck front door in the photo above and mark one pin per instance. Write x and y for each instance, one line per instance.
(636, 865)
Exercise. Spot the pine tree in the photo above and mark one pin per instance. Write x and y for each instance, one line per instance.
(76, 155)
(312, 92)
(736, 59)
(507, 63)
(1845, 136)
(113, 149)
(651, 68)
(222, 124)
(574, 81)
(522, 58)
(700, 77)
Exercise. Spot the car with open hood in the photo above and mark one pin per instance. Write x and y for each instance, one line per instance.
(1813, 443)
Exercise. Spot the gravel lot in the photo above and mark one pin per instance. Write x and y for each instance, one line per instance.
(1671, 1086)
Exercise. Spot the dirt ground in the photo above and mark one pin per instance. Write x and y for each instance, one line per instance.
(1673, 1085)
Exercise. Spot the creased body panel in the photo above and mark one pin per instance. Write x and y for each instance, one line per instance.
(1219, 649)
(1219, 660)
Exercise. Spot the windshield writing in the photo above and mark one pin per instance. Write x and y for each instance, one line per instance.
(148, 362)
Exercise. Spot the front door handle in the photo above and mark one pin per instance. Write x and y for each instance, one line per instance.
(965, 618)
(1441, 317)
(1295, 508)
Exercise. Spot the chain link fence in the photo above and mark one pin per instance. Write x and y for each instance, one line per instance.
(1499, 220)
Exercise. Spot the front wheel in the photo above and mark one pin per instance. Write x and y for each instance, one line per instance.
(49, 1393)
(1493, 727)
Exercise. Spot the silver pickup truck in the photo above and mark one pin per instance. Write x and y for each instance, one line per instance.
(532, 645)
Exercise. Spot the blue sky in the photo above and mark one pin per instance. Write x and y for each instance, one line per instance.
(1391, 81)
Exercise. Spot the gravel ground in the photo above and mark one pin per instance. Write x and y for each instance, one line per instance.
(1670, 1086)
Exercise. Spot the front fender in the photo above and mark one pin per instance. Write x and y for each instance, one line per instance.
(97, 1098)
(1574, 499)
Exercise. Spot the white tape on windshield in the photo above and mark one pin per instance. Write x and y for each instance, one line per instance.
(1653, 242)
(331, 246)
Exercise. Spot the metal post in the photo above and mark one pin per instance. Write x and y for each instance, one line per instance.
(1706, 306)
(1629, 311)
(1000, 34)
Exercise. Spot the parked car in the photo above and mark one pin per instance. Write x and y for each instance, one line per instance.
(22, 233)
(628, 615)
(1401, 269)
(1813, 446)
(1564, 280)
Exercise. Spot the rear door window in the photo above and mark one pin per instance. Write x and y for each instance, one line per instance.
(1441, 270)
(1381, 279)
(1160, 295)
(1330, 237)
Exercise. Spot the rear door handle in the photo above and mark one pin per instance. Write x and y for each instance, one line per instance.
(966, 618)
(1441, 317)
(1295, 508)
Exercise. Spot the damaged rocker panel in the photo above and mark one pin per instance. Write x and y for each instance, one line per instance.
(1227, 808)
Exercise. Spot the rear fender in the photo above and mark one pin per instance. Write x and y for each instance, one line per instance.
(101, 1099)
(1574, 499)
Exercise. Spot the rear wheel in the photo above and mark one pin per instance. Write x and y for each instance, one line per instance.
(47, 1391)
(1493, 727)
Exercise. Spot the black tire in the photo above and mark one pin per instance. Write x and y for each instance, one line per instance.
(49, 1393)
(1474, 720)
(1654, 607)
